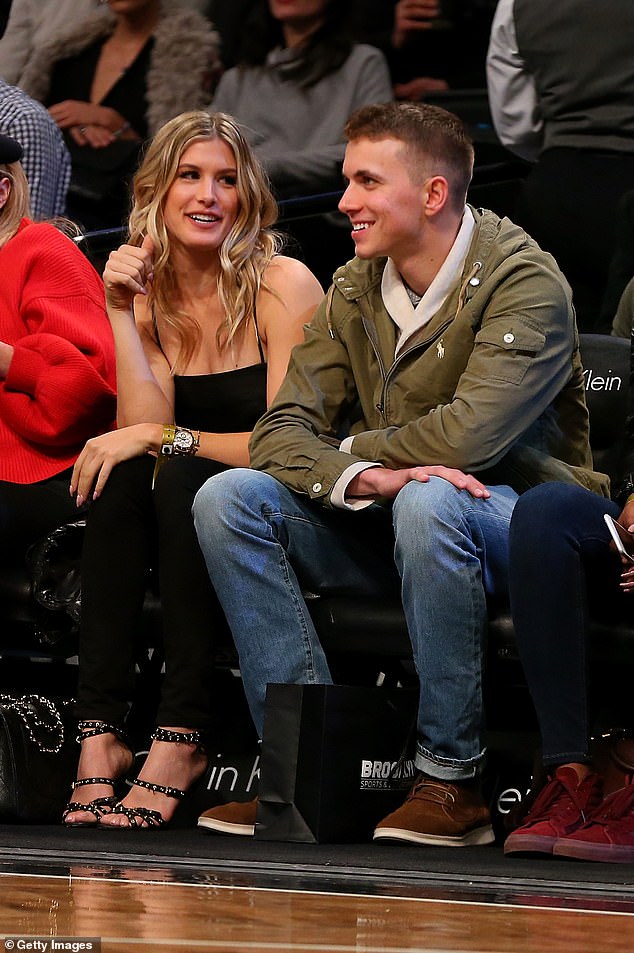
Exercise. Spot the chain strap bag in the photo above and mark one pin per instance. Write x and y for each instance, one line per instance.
(38, 757)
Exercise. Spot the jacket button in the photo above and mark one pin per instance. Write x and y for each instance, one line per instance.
(316, 487)
(509, 338)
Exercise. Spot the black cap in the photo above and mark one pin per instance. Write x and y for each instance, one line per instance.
(10, 149)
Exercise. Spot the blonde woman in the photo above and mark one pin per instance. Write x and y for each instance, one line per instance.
(205, 313)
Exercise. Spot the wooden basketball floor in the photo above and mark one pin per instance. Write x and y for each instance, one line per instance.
(178, 908)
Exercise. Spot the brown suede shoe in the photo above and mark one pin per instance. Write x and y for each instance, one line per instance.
(237, 817)
(441, 814)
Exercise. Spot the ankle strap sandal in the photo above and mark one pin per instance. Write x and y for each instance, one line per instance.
(99, 806)
(90, 729)
(179, 737)
(143, 818)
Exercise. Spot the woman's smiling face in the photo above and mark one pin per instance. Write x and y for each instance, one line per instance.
(202, 202)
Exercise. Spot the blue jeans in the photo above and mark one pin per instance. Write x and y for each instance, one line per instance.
(561, 572)
(263, 544)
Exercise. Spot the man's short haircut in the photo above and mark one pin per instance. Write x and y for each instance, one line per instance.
(436, 140)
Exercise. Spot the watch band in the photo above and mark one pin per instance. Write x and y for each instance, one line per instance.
(172, 446)
(179, 441)
(167, 440)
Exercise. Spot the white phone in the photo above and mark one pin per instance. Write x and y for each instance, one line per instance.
(623, 540)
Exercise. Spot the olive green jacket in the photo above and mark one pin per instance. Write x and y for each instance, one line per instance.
(492, 385)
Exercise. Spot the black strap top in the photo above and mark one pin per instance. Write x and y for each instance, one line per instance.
(226, 402)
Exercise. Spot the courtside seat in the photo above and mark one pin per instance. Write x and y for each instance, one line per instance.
(355, 628)
(353, 625)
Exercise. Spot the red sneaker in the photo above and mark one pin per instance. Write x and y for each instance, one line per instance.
(609, 834)
(562, 806)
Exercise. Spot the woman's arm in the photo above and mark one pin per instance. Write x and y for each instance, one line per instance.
(144, 381)
(91, 124)
(57, 381)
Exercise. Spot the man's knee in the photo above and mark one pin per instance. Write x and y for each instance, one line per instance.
(424, 502)
(225, 498)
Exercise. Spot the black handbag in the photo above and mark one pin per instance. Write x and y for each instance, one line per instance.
(54, 568)
(335, 760)
(38, 756)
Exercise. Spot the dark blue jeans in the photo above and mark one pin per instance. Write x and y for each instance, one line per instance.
(561, 571)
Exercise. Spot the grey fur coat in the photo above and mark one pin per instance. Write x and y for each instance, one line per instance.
(183, 62)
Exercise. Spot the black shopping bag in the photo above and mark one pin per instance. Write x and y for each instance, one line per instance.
(334, 760)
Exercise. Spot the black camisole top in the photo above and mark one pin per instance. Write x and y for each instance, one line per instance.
(226, 402)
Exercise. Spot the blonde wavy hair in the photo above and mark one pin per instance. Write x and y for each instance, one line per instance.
(18, 204)
(247, 249)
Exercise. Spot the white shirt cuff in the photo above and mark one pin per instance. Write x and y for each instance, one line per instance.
(338, 493)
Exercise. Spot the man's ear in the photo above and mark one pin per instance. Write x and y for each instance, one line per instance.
(436, 194)
(5, 190)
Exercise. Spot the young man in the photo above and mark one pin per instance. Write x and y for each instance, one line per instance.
(453, 336)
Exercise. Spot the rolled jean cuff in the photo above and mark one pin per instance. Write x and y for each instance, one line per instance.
(566, 757)
(447, 769)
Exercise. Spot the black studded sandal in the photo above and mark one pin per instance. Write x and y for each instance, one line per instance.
(99, 806)
(143, 818)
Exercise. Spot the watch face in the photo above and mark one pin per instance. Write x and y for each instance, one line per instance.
(183, 440)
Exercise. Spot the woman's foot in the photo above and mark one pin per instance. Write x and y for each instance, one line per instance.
(104, 756)
(173, 765)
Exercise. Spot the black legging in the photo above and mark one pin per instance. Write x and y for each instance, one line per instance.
(30, 511)
(131, 528)
(562, 572)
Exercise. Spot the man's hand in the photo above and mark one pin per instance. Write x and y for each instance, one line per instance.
(412, 15)
(379, 482)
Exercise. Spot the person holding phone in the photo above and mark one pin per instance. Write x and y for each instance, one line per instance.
(571, 555)
(205, 313)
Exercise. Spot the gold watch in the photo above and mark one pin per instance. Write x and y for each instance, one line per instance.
(178, 441)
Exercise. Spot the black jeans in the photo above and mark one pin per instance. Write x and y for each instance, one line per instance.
(561, 571)
(29, 511)
(131, 529)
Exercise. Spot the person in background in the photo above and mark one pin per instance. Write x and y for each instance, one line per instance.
(57, 365)
(451, 334)
(204, 313)
(562, 98)
(431, 45)
(297, 58)
(46, 160)
(229, 20)
(111, 80)
(29, 25)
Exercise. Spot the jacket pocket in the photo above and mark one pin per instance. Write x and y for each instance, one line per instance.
(509, 348)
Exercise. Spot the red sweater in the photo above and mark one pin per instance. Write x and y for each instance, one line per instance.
(60, 388)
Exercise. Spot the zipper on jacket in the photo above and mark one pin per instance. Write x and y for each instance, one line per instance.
(471, 280)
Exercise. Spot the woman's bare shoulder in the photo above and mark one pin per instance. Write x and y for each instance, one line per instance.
(284, 273)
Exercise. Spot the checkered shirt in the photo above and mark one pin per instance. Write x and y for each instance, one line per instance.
(46, 160)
